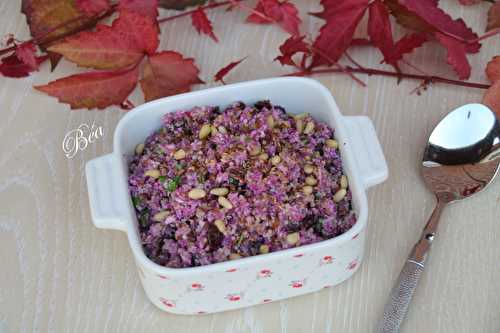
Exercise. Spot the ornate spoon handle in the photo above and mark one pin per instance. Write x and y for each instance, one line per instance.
(396, 308)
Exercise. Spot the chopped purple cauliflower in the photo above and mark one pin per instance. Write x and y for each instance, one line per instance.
(213, 185)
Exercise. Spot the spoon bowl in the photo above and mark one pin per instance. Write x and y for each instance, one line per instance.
(463, 153)
(461, 158)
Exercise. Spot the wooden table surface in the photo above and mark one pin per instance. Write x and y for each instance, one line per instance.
(59, 273)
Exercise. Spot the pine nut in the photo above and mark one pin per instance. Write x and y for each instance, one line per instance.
(180, 154)
(213, 130)
(205, 131)
(225, 203)
(139, 148)
(309, 128)
(270, 121)
(255, 151)
(154, 173)
(343, 181)
(264, 248)
(311, 181)
(332, 143)
(308, 169)
(339, 195)
(219, 191)
(307, 189)
(263, 157)
(292, 238)
(234, 256)
(299, 124)
(196, 193)
(220, 225)
(275, 160)
(301, 115)
(222, 129)
(160, 216)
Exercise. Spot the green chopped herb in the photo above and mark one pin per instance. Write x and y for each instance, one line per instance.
(201, 178)
(162, 179)
(143, 218)
(171, 184)
(234, 181)
(179, 166)
(239, 240)
(136, 201)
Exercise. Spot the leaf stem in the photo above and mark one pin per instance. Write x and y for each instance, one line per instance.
(373, 71)
(189, 12)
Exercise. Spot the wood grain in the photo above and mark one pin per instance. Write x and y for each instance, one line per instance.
(60, 274)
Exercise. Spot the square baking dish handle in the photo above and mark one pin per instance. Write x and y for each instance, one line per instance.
(107, 204)
(370, 160)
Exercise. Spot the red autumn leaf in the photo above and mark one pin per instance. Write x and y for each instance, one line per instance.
(12, 66)
(289, 48)
(168, 73)
(54, 59)
(493, 17)
(93, 90)
(360, 42)
(493, 69)
(259, 16)
(50, 19)
(335, 36)
(406, 18)
(202, 23)
(92, 7)
(380, 32)
(457, 56)
(143, 7)
(407, 44)
(26, 53)
(432, 15)
(283, 13)
(219, 76)
(492, 98)
(112, 47)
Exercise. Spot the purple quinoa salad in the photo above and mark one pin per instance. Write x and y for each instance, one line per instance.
(213, 185)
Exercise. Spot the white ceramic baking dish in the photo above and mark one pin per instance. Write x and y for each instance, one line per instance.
(252, 280)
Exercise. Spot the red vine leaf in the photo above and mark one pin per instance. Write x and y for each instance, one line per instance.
(282, 12)
(54, 59)
(219, 76)
(493, 17)
(336, 35)
(202, 23)
(406, 18)
(361, 42)
(434, 17)
(12, 66)
(290, 47)
(26, 53)
(92, 7)
(112, 47)
(457, 57)
(380, 32)
(493, 69)
(492, 98)
(147, 8)
(168, 73)
(407, 44)
(51, 19)
(93, 90)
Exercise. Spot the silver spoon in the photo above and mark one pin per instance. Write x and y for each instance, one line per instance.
(460, 159)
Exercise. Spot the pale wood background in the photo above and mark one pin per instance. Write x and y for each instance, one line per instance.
(58, 273)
